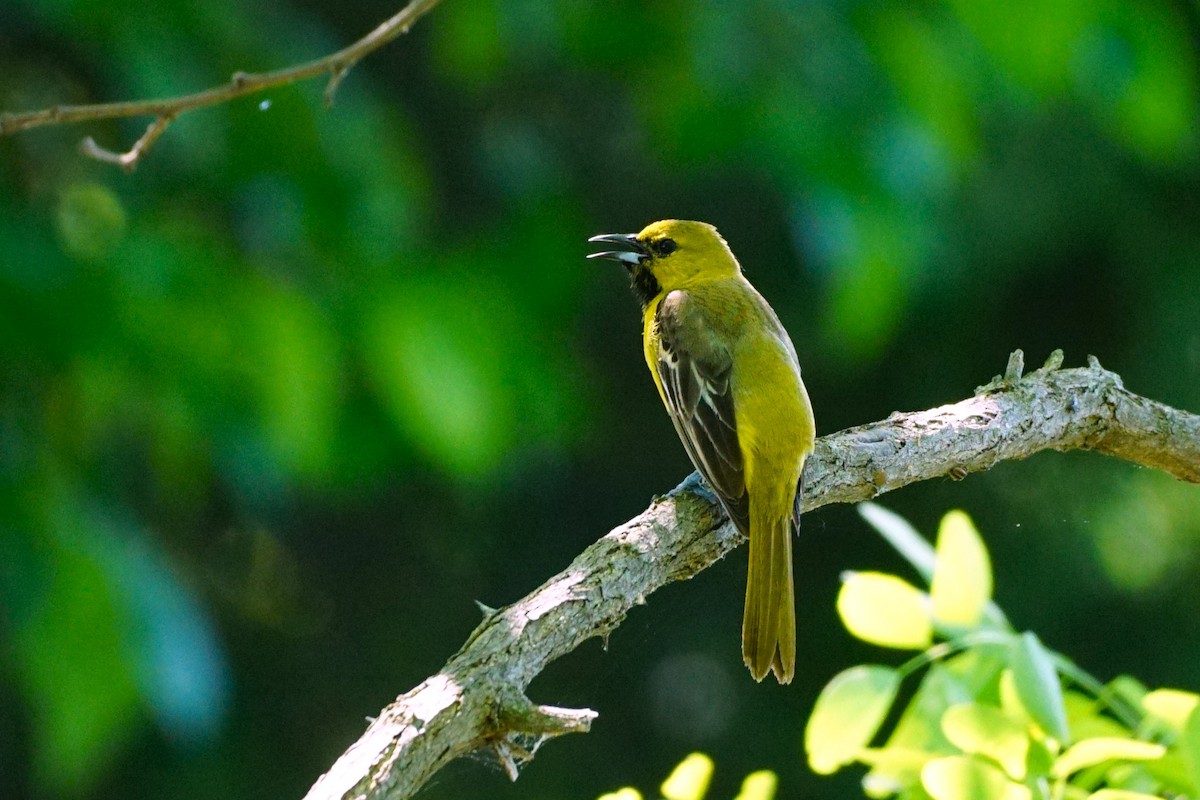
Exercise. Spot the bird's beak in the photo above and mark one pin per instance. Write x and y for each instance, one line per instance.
(634, 253)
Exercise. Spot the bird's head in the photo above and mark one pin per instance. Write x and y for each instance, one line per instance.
(670, 254)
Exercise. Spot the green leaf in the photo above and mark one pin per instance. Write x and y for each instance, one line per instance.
(1170, 774)
(902, 536)
(968, 778)
(984, 730)
(1171, 707)
(1189, 748)
(885, 610)
(893, 768)
(897, 766)
(758, 786)
(689, 780)
(1037, 685)
(962, 580)
(1126, 689)
(1010, 703)
(1090, 752)
(847, 714)
(979, 670)
(1121, 794)
(1087, 718)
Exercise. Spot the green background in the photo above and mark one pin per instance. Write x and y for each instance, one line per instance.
(276, 409)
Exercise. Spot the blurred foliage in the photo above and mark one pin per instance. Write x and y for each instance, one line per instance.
(276, 408)
(689, 781)
(996, 716)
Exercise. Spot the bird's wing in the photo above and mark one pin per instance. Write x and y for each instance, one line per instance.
(694, 373)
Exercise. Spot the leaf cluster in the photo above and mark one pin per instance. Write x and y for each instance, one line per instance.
(995, 714)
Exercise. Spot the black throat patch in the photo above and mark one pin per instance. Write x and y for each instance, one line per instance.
(644, 284)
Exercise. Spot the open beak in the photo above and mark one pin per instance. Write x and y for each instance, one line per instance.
(634, 252)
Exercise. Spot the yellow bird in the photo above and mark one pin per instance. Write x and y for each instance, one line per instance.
(729, 377)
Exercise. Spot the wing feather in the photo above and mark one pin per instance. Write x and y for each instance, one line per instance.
(695, 381)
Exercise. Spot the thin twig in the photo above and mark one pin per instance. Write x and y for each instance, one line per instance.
(166, 109)
(127, 160)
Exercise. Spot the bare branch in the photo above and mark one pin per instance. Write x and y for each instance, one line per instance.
(478, 701)
(164, 110)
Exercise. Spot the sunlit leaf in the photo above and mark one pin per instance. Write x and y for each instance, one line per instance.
(1089, 752)
(885, 610)
(962, 581)
(1171, 706)
(896, 766)
(759, 785)
(1127, 689)
(893, 768)
(1087, 719)
(1121, 794)
(985, 730)
(968, 778)
(978, 670)
(1189, 747)
(1037, 685)
(847, 715)
(627, 793)
(1010, 703)
(689, 780)
(1169, 773)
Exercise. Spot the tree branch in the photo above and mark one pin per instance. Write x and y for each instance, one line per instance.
(165, 110)
(478, 700)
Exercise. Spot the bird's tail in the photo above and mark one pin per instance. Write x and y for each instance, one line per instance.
(769, 624)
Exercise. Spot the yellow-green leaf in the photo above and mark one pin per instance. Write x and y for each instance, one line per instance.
(968, 778)
(985, 730)
(1037, 685)
(893, 768)
(1171, 707)
(885, 610)
(628, 793)
(1126, 689)
(689, 780)
(1090, 752)
(962, 580)
(1189, 747)
(897, 767)
(1121, 794)
(758, 786)
(1010, 703)
(847, 714)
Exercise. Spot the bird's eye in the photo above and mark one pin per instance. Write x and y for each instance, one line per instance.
(664, 247)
